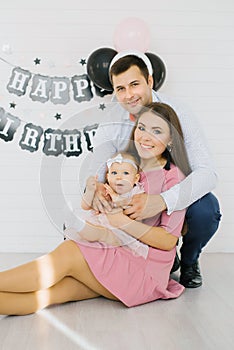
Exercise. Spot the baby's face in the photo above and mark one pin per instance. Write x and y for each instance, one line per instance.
(122, 177)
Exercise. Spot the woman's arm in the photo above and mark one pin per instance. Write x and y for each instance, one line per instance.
(156, 237)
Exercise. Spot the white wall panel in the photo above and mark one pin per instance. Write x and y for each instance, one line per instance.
(195, 41)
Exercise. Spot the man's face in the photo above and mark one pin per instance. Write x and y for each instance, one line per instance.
(132, 90)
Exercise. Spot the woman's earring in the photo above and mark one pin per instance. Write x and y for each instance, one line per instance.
(169, 147)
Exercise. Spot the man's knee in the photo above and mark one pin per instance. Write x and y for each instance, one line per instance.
(203, 217)
(206, 209)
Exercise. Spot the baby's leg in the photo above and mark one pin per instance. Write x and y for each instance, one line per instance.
(94, 233)
(83, 230)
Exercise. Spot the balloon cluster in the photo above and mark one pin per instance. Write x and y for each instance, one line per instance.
(130, 34)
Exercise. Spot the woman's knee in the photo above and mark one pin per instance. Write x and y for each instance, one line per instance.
(66, 255)
(65, 248)
(73, 257)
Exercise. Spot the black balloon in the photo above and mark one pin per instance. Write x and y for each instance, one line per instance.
(159, 70)
(98, 64)
(98, 67)
(101, 92)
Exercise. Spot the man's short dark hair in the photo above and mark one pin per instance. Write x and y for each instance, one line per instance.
(126, 62)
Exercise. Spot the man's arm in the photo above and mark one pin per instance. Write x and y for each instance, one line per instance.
(95, 164)
(87, 198)
(195, 186)
(203, 178)
(178, 197)
(110, 137)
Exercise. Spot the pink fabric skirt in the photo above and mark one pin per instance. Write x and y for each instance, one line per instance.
(133, 279)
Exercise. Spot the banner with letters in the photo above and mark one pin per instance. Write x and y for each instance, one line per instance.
(55, 141)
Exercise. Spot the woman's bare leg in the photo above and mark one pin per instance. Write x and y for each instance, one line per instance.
(66, 290)
(45, 271)
(42, 273)
(78, 283)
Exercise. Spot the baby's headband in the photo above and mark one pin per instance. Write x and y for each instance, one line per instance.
(133, 53)
(119, 159)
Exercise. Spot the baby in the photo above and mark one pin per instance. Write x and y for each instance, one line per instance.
(122, 183)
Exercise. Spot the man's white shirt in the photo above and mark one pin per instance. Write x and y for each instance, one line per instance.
(113, 136)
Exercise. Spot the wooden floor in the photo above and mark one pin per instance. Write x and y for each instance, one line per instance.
(201, 319)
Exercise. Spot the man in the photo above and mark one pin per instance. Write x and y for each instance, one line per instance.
(131, 77)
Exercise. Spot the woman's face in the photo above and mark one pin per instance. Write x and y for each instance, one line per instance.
(151, 136)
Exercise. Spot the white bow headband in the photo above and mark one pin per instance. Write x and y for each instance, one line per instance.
(119, 159)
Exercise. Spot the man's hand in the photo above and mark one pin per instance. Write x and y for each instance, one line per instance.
(144, 206)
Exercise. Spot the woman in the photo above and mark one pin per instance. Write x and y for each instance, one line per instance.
(76, 272)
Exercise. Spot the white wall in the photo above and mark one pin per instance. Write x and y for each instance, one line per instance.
(195, 41)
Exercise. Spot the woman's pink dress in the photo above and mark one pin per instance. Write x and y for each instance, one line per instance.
(133, 279)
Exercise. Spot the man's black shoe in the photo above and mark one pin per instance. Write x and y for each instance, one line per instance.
(190, 276)
(176, 264)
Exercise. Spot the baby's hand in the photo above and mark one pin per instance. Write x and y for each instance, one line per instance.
(114, 196)
(117, 200)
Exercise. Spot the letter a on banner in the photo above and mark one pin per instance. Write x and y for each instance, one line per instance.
(40, 88)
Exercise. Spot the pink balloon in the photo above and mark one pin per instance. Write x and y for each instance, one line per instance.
(131, 33)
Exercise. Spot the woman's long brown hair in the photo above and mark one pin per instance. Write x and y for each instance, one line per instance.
(177, 154)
